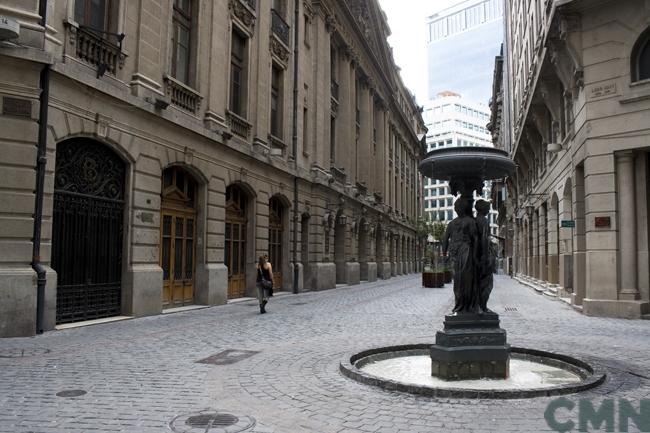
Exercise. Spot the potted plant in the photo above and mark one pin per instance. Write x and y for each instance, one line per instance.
(428, 277)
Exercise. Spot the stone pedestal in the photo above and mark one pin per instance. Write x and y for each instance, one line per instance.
(471, 346)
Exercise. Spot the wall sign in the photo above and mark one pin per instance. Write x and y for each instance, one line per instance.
(600, 90)
(568, 223)
(602, 222)
(16, 107)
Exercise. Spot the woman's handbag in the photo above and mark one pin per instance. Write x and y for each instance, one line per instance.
(266, 284)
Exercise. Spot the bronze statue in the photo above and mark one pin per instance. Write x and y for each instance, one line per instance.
(487, 262)
(461, 240)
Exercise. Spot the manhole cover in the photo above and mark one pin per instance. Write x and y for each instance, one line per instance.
(22, 353)
(211, 421)
(71, 393)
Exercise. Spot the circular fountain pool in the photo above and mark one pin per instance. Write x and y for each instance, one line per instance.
(533, 373)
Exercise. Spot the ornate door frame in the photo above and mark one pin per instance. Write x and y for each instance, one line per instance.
(178, 236)
(88, 230)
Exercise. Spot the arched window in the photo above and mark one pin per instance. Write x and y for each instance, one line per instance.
(641, 58)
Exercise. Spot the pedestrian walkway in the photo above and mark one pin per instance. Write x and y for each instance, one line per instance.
(282, 368)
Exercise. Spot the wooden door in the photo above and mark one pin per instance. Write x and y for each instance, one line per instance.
(177, 258)
(177, 235)
(235, 241)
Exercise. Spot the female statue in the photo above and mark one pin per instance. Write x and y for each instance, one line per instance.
(462, 241)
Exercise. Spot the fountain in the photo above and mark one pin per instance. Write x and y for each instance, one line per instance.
(470, 357)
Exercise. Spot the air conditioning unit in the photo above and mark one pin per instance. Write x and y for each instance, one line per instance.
(9, 28)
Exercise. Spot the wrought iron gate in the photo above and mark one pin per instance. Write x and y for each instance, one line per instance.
(87, 230)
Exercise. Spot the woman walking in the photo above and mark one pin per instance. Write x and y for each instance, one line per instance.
(264, 281)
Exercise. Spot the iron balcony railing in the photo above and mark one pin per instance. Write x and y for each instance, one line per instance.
(250, 3)
(279, 27)
(334, 88)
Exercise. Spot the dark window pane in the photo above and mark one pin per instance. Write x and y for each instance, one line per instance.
(167, 225)
(644, 61)
(235, 257)
(168, 178)
(189, 259)
(166, 249)
(178, 259)
(97, 14)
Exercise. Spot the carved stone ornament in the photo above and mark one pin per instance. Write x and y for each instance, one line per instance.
(242, 13)
(279, 50)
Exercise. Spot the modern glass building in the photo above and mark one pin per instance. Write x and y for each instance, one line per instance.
(462, 43)
(453, 121)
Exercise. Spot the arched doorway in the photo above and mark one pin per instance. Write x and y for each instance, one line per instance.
(276, 238)
(235, 240)
(177, 235)
(87, 230)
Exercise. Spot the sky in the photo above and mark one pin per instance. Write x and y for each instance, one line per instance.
(407, 20)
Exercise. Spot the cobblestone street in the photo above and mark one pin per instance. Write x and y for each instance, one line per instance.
(140, 374)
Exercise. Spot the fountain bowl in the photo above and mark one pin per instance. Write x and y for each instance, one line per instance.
(485, 163)
(579, 375)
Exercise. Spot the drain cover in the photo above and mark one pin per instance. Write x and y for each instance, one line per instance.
(71, 393)
(510, 308)
(211, 421)
(227, 357)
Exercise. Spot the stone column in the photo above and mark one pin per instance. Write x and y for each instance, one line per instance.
(579, 238)
(553, 253)
(542, 244)
(535, 255)
(381, 166)
(362, 159)
(344, 116)
(627, 226)
(349, 149)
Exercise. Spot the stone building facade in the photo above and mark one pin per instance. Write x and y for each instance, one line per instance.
(576, 97)
(182, 139)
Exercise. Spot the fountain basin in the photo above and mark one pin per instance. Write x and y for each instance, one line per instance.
(484, 163)
(533, 373)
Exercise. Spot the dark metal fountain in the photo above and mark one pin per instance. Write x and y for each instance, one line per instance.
(471, 357)
(471, 345)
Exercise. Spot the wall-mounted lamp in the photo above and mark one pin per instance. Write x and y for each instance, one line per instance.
(554, 147)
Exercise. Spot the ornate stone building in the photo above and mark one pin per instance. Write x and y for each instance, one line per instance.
(573, 113)
(151, 150)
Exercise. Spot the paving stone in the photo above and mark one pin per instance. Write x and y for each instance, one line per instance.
(140, 374)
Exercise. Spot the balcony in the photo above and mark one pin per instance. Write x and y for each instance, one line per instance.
(95, 48)
(250, 3)
(182, 95)
(238, 125)
(334, 90)
(279, 27)
(338, 174)
(278, 147)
